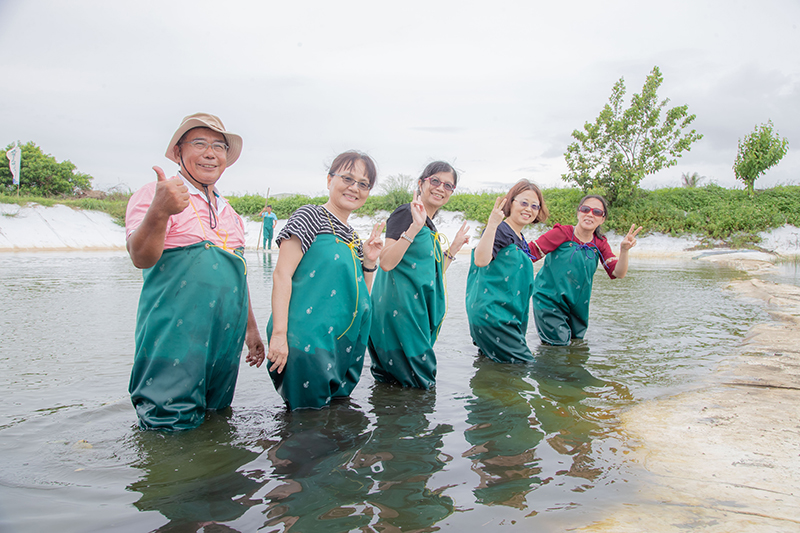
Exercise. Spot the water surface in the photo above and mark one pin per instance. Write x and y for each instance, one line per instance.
(493, 447)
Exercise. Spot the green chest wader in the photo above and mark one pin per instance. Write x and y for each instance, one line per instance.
(190, 329)
(498, 305)
(329, 318)
(562, 291)
(409, 307)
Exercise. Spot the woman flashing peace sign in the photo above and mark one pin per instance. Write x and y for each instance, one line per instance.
(563, 286)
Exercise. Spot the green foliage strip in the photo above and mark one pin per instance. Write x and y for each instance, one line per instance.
(713, 212)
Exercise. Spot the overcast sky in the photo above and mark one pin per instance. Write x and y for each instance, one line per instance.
(494, 87)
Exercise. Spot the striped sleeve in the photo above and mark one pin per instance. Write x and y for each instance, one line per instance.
(305, 224)
(312, 220)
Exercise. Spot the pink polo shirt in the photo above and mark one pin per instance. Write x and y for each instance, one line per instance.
(192, 225)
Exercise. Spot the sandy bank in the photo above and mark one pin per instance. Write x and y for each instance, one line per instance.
(726, 456)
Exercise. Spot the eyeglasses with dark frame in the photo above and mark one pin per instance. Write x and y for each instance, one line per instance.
(593, 210)
(363, 185)
(435, 182)
(524, 205)
(201, 146)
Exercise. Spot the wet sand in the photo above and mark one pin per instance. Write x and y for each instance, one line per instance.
(726, 456)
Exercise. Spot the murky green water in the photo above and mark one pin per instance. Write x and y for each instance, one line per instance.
(493, 447)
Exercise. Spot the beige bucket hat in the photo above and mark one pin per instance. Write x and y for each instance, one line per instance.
(206, 120)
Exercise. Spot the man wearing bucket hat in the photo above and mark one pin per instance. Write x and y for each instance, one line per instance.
(194, 310)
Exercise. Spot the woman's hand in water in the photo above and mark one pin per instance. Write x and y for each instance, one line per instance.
(630, 239)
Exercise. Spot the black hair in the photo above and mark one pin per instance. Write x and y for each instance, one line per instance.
(597, 231)
(346, 161)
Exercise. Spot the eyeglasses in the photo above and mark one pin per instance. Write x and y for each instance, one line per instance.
(435, 182)
(593, 210)
(524, 205)
(363, 185)
(201, 146)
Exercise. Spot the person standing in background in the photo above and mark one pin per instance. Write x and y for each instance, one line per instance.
(270, 221)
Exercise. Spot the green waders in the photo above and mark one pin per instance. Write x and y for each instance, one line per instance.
(498, 305)
(326, 341)
(562, 291)
(190, 329)
(409, 307)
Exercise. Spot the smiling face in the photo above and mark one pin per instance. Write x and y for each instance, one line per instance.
(344, 197)
(436, 196)
(589, 221)
(520, 216)
(205, 166)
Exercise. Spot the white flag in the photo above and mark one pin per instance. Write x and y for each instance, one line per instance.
(14, 158)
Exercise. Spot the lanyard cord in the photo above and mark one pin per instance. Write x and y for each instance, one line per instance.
(525, 248)
(223, 239)
(213, 222)
(352, 245)
(212, 215)
(586, 248)
(442, 241)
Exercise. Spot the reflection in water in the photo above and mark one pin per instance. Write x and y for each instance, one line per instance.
(503, 432)
(312, 458)
(338, 474)
(403, 452)
(266, 265)
(516, 408)
(574, 408)
(193, 477)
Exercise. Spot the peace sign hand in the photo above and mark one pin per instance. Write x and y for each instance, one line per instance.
(418, 215)
(460, 239)
(630, 239)
(497, 215)
(372, 247)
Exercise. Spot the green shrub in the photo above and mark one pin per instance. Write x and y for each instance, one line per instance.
(711, 212)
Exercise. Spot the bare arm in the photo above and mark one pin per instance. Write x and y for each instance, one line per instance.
(372, 248)
(252, 338)
(146, 243)
(394, 250)
(483, 251)
(459, 241)
(621, 268)
(291, 252)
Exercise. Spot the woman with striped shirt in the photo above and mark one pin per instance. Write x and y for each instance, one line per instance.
(321, 310)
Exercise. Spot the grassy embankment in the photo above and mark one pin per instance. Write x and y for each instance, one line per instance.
(717, 215)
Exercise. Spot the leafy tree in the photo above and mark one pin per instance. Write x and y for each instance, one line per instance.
(759, 151)
(691, 180)
(42, 175)
(621, 147)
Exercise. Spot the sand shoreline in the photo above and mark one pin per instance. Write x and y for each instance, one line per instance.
(725, 456)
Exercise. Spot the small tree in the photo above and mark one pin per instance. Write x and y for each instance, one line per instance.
(621, 147)
(42, 175)
(758, 152)
(397, 190)
(691, 180)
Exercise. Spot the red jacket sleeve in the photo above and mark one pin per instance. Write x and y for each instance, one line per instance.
(550, 241)
(607, 257)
